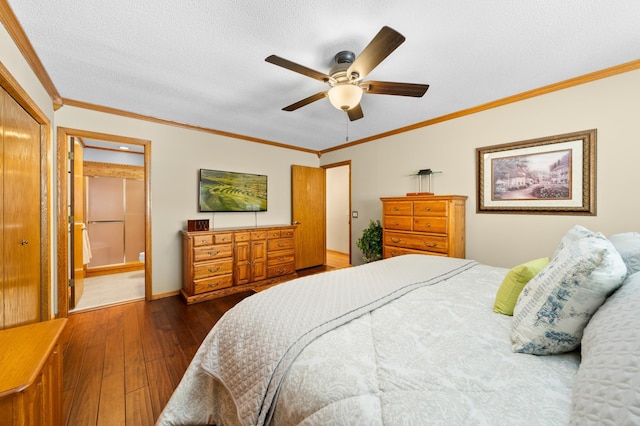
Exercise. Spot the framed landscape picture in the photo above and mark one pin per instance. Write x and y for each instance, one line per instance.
(551, 175)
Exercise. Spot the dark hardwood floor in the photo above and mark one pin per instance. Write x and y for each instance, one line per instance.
(122, 363)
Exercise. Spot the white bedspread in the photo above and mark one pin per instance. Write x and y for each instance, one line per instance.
(438, 354)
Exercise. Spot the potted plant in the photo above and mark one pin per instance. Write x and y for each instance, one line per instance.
(371, 242)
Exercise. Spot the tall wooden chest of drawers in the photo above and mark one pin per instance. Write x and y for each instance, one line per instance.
(225, 261)
(429, 224)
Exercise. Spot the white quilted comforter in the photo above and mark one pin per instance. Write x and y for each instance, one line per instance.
(408, 340)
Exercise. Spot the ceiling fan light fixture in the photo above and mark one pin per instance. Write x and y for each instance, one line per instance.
(345, 96)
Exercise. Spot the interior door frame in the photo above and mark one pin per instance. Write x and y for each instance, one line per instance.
(330, 166)
(13, 88)
(63, 135)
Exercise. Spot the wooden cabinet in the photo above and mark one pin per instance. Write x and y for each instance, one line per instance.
(433, 224)
(22, 299)
(250, 256)
(225, 261)
(31, 374)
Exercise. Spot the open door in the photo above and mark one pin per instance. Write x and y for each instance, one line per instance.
(77, 229)
(308, 212)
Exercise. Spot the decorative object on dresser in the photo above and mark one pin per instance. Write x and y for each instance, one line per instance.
(430, 224)
(31, 374)
(224, 261)
(198, 225)
(421, 173)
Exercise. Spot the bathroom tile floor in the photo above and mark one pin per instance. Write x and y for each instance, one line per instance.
(111, 289)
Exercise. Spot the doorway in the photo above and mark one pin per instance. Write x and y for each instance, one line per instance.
(338, 206)
(67, 267)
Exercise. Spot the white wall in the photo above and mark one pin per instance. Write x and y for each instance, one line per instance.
(611, 105)
(177, 154)
(338, 214)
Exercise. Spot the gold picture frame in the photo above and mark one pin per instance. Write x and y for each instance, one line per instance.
(550, 175)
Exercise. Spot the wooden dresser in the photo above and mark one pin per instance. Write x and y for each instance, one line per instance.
(31, 374)
(427, 224)
(225, 261)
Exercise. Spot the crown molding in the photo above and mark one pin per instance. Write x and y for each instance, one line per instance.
(16, 32)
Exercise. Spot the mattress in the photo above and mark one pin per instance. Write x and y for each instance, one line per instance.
(434, 354)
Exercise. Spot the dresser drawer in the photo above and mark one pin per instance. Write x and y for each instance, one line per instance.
(416, 241)
(437, 225)
(211, 252)
(274, 233)
(222, 238)
(280, 244)
(280, 257)
(430, 208)
(287, 233)
(258, 235)
(400, 208)
(203, 240)
(242, 236)
(278, 270)
(212, 283)
(401, 223)
(390, 251)
(212, 269)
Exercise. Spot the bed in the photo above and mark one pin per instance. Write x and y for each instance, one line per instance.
(416, 340)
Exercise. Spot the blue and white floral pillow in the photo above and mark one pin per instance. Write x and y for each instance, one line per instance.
(556, 305)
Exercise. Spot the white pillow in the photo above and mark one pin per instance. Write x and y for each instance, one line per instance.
(574, 234)
(607, 386)
(628, 245)
(555, 306)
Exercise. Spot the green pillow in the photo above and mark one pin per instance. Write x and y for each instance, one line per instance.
(514, 282)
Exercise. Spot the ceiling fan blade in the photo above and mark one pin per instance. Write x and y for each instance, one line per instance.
(306, 101)
(397, 89)
(385, 42)
(285, 63)
(355, 113)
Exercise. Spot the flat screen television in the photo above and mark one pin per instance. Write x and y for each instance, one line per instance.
(222, 191)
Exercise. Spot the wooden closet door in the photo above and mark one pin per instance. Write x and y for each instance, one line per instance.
(20, 215)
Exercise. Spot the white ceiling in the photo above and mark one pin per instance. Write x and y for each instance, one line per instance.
(202, 62)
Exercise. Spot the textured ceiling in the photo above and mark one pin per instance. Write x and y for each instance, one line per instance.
(202, 62)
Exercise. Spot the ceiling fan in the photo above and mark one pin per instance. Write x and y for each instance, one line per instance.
(346, 75)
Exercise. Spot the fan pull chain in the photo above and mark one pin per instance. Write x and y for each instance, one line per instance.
(346, 117)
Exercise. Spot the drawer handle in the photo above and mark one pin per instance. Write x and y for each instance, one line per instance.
(212, 271)
(396, 223)
(428, 209)
(427, 244)
(281, 271)
(212, 285)
(396, 208)
(428, 225)
(211, 253)
(281, 244)
(396, 240)
(203, 241)
(280, 257)
(24, 242)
